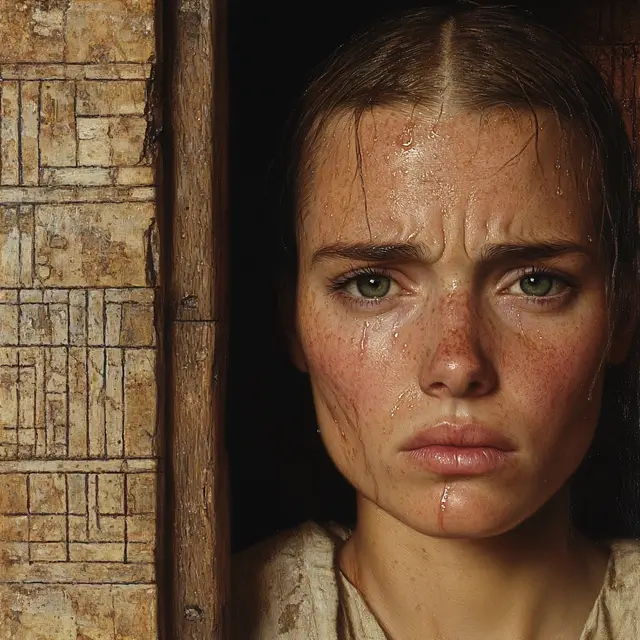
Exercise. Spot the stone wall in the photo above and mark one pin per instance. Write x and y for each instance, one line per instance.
(77, 336)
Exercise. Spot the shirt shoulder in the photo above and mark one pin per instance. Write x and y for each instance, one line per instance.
(616, 615)
(286, 587)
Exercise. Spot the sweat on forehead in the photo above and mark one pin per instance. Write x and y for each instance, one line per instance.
(399, 173)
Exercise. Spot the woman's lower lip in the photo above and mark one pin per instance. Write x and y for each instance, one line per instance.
(448, 460)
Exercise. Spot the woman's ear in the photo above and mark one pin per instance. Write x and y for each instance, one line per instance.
(287, 310)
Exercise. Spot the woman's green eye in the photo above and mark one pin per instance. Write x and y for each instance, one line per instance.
(537, 285)
(371, 286)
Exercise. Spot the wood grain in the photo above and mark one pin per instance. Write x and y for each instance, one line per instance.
(619, 66)
(196, 302)
(199, 539)
(198, 97)
(600, 22)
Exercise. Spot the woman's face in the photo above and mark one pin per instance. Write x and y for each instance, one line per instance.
(451, 313)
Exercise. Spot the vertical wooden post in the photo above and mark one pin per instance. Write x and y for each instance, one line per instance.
(196, 275)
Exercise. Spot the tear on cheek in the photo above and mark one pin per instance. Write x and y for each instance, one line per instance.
(444, 503)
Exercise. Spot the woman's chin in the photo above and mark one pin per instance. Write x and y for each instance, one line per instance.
(463, 515)
(469, 526)
(466, 529)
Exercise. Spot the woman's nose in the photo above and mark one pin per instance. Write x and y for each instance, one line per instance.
(456, 363)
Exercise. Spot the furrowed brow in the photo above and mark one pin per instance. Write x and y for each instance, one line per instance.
(368, 252)
(531, 251)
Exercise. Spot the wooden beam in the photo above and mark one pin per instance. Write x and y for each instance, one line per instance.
(200, 549)
(196, 317)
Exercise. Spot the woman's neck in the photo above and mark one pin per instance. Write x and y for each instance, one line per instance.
(537, 581)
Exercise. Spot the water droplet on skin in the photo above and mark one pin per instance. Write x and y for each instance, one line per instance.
(520, 327)
(363, 341)
(407, 139)
(558, 166)
(443, 505)
(395, 335)
(559, 191)
(397, 404)
(445, 497)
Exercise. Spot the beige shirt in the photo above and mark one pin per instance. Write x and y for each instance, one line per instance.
(289, 587)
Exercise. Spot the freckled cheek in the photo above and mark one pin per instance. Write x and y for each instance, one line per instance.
(358, 359)
(551, 372)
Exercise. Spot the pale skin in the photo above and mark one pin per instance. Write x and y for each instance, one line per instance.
(446, 330)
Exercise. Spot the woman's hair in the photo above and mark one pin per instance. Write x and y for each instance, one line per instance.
(466, 56)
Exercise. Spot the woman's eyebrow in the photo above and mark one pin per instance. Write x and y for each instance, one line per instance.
(531, 250)
(369, 252)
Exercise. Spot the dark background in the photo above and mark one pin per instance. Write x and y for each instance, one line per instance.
(280, 475)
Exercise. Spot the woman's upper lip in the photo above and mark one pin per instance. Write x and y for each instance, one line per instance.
(469, 434)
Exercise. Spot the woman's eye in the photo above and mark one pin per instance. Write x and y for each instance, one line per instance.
(538, 285)
(369, 286)
(366, 287)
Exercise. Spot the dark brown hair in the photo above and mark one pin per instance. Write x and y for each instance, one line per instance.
(477, 57)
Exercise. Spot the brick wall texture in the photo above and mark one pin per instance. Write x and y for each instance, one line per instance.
(77, 338)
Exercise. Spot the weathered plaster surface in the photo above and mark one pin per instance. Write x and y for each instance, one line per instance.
(77, 337)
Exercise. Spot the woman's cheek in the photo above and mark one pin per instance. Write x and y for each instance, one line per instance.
(550, 365)
(360, 356)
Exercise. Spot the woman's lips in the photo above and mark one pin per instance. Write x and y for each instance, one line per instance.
(458, 461)
(449, 449)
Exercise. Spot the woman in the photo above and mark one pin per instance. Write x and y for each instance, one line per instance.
(466, 267)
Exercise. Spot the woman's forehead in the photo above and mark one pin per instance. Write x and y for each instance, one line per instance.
(400, 172)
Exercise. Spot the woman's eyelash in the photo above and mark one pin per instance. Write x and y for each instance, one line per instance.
(569, 287)
(375, 272)
(538, 271)
(336, 284)
(340, 285)
(542, 272)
